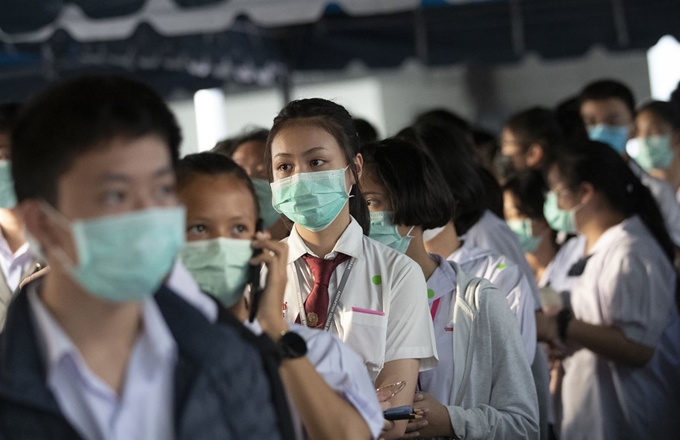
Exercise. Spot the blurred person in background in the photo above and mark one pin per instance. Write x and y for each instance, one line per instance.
(486, 149)
(608, 111)
(657, 140)
(568, 116)
(366, 131)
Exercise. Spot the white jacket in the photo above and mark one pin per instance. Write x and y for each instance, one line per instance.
(493, 391)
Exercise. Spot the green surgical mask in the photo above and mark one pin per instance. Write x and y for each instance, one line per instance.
(8, 198)
(523, 231)
(264, 199)
(384, 231)
(124, 257)
(219, 266)
(312, 200)
(655, 152)
(558, 219)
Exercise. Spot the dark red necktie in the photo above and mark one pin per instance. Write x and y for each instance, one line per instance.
(316, 305)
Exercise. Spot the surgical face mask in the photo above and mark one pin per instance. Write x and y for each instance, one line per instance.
(312, 200)
(219, 266)
(386, 232)
(123, 257)
(558, 219)
(654, 152)
(264, 199)
(523, 231)
(616, 136)
(431, 234)
(8, 198)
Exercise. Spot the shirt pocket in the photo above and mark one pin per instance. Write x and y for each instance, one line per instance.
(365, 331)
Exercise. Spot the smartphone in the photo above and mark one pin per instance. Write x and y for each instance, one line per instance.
(254, 278)
(399, 413)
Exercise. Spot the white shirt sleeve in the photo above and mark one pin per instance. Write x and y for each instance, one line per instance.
(344, 371)
(668, 205)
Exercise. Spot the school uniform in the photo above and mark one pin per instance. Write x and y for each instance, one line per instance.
(507, 276)
(14, 267)
(665, 199)
(341, 368)
(627, 282)
(483, 378)
(559, 275)
(382, 311)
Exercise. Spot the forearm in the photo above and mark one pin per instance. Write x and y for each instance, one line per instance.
(393, 372)
(610, 343)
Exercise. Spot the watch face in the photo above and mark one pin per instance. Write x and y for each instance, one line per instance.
(292, 345)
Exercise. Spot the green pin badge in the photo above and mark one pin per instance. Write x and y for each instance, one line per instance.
(377, 280)
(501, 266)
(430, 293)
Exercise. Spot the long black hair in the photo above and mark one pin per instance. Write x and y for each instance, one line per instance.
(599, 165)
(336, 120)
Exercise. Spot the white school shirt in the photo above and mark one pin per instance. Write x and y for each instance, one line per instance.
(510, 281)
(341, 368)
(14, 264)
(441, 287)
(491, 232)
(382, 313)
(556, 275)
(665, 199)
(628, 282)
(145, 409)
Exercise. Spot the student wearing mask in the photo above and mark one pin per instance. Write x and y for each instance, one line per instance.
(529, 138)
(657, 135)
(247, 151)
(622, 327)
(329, 386)
(608, 111)
(478, 227)
(339, 280)
(524, 199)
(406, 194)
(98, 348)
(16, 259)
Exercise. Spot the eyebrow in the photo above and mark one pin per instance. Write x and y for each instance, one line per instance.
(113, 177)
(306, 153)
(366, 193)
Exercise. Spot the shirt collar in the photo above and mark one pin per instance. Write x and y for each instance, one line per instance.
(350, 243)
(614, 233)
(5, 249)
(442, 280)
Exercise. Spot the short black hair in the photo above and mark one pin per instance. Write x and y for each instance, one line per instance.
(9, 113)
(444, 117)
(607, 89)
(224, 147)
(366, 131)
(255, 134)
(665, 111)
(529, 187)
(415, 187)
(80, 115)
(568, 116)
(453, 155)
(536, 125)
(675, 97)
(212, 164)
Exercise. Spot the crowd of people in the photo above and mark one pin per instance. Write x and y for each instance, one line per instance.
(311, 280)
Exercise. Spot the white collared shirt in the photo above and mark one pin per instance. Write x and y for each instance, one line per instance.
(14, 264)
(382, 313)
(144, 410)
(491, 232)
(630, 283)
(510, 280)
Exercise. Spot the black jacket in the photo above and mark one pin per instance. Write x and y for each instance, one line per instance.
(218, 395)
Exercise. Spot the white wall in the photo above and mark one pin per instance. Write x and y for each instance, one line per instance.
(256, 108)
(186, 118)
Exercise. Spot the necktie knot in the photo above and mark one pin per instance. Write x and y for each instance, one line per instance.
(323, 269)
(316, 305)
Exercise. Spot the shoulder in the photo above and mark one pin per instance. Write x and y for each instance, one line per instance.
(379, 255)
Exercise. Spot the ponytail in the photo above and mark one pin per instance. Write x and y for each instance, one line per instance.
(602, 167)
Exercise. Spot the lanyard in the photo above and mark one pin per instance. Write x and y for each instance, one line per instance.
(334, 305)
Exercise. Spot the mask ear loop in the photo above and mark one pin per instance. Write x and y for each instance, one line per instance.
(408, 234)
(59, 218)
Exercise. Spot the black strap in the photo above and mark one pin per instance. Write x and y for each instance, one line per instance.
(577, 269)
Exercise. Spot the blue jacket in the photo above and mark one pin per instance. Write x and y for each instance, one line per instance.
(221, 392)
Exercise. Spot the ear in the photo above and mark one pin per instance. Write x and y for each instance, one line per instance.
(40, 226)
(534, 155)
(359, 165)
(587, 192)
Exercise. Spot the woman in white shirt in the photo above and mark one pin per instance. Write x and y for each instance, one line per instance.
(331, 391)
(339, 280)
(407, 194)
(620, 331)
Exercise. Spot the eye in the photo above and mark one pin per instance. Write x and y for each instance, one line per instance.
(284, 167)
(114, 197)
(197, 229)
(241, 231)
(317, 162)
(372, 203)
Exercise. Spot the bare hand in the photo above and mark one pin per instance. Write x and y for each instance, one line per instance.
(388, 425)
(436, 421)
(275, 256)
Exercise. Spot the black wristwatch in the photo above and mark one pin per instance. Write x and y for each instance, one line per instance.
(291, 346)
(563, 319)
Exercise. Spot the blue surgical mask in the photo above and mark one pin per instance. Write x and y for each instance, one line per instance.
(311, 200)
(264, 199)
(124, 257)
(219, 266)
(8, 198)
(558, 219)
(654, 152)
(616, 136)
(386, 232)
(523, 231)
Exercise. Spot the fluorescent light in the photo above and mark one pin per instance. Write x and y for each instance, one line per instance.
(211, 121)
(664, 67)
